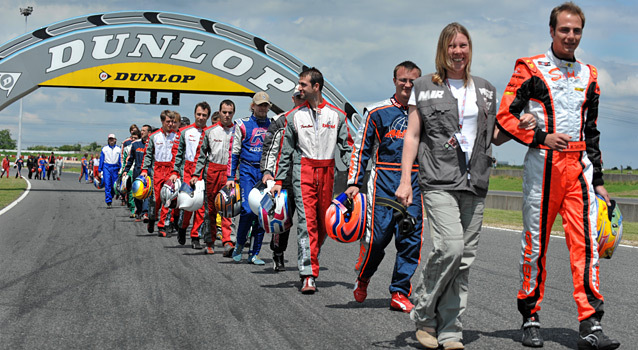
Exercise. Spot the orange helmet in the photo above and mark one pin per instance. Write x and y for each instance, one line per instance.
(228, 201)
(345, 218)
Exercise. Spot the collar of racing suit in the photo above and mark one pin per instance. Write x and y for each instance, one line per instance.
(560, 62)
(396, 103)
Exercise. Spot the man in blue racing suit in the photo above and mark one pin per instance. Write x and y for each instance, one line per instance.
(110, 164)
(380, 139)
(247, 145)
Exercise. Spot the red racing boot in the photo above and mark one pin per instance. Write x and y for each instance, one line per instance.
(361, 289)
(400, 302)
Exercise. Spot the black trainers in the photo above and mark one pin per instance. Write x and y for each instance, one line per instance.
(593, 338)
(278, 262)
(108, 205)
(195, 243)
(532, 332)
(181, 236)
(150, 227)
(228, 249)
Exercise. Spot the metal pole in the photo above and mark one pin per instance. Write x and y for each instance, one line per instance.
(25, 12)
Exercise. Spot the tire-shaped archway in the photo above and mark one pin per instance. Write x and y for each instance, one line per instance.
(153, 51)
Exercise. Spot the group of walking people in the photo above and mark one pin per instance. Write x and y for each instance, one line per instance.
(39, 167)
(550, 105)
(429, 148)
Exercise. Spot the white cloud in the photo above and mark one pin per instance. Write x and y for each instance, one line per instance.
(354, 43)
(627, 87)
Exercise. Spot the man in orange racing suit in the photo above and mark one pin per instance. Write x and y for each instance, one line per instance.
(563, 172)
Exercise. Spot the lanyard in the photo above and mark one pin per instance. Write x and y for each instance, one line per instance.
(462, 110)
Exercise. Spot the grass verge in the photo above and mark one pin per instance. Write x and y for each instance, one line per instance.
(10, 189)
(514, 220)
(515, 184)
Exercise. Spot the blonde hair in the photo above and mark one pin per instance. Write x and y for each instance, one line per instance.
(443, 61)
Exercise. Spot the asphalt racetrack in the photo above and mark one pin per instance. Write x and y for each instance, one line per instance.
(75, 275)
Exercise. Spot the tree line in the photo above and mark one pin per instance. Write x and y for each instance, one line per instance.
(6, 142)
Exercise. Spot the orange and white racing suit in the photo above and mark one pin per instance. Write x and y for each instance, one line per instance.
(563, 96)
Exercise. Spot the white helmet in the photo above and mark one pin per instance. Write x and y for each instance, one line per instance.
(124, 185)
(274, 213)
(190, 199)
(257, 194)
(169, 192)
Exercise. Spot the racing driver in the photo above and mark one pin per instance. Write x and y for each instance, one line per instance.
(562, 174)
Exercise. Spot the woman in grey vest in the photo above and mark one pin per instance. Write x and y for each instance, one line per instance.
(450, 132)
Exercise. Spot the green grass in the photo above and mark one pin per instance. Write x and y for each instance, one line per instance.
(615, 189)
(606, 170)
(506, 183)
(514, 220)
(622, 189)
(11, 189)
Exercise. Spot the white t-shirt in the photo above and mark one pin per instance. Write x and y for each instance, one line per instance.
(468, 114)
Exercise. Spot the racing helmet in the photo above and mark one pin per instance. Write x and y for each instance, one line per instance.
(169, 193)
(191, 199)
(228, 201)
(609, 227)
(125, 184)
(142, 187)
(114, 188)
(98, 183)
(274, 213)
(258, 193)
(345, 218)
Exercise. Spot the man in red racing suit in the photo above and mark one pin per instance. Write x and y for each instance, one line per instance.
(314, 129)
(212, 165)
(160, 155)
(190, 142)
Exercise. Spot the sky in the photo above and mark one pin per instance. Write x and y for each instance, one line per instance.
(356, 45)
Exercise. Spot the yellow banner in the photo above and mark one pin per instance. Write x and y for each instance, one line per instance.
(145, 75)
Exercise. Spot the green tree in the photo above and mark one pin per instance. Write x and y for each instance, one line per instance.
(40, 148)
(6, 142)
(92, 147)
(75, 148)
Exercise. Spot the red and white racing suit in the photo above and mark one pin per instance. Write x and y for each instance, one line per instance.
(212, 164)
(563, 96)
(315, 134)
(185, 160)
(160, 156)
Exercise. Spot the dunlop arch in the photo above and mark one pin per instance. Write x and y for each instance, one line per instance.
(153, 51)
